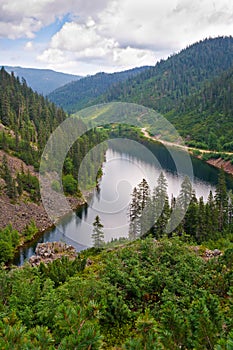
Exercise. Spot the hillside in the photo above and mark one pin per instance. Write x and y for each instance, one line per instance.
(82, 93)
(42, 81)
(26, 122)
(207, 114)
(148, 294)
(168, 83)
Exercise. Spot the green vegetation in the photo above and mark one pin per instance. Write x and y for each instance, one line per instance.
(29, 231)
(146, 294)
(70, 185)
(27, 120)
(82, 93)
(192, 89)
(98, 234)
(207, 114)
(9, 240)
(152, 213)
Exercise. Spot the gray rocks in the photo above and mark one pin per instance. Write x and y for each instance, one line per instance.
(47, 252)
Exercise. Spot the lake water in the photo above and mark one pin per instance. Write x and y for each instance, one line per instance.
(127, 163)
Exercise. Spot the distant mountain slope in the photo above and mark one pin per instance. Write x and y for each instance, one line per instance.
(168, 83)
(42, 80)
(82, 93)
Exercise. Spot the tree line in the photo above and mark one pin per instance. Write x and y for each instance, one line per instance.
(153, 213)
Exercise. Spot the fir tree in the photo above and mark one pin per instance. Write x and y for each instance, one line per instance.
(98, 234)
(160, 206)
(221, 199)
(134, 215)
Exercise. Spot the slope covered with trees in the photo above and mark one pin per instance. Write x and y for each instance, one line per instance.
(164, 86)
(77, 95)
(26, 122)
(207, 114)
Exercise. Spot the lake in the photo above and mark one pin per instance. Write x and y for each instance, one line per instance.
(127, 163)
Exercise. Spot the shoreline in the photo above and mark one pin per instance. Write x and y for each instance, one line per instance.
(216, 163)
(75, 204)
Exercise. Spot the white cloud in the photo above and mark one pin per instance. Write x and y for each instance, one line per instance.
(128, 32)
(53, 56)
(29, 45)
(83, 42)
(110, 34)
(22, 19)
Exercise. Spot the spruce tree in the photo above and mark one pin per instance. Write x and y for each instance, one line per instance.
(161, 206)
(144, 206)
(185, 193)
(134, 215)
(98, 234)
(191, 217)
(221, 200)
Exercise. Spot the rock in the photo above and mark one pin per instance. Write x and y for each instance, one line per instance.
(217, 252)
(47, 252)
(89, 262)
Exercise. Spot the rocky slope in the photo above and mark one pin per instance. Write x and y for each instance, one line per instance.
(23, 211)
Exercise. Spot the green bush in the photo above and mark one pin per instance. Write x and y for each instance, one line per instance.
(70, 185)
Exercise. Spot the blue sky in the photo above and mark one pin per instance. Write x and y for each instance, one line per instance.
(84, 37)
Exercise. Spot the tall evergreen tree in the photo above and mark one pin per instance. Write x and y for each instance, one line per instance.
(161, 206)
(191, 217)
(185, 193)
(134, 215)
(98, 234)
(221, 199)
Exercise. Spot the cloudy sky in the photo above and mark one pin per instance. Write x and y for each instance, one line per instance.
(87, 36)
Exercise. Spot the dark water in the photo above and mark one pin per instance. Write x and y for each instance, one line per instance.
(127, 163)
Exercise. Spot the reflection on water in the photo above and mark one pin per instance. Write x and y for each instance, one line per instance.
(122, 171)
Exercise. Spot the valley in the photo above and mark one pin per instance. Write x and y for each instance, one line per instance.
(143, 257)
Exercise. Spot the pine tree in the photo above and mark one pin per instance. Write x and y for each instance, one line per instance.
(221, 200)
(191, 217)
(185, 193)
(134, 215)
(201, 232)
(211, 216)
(161, 206)
(144, 206)
(98, 234)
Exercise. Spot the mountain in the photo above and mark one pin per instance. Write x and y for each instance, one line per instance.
(82, 93)
(42, 80)
(27, 120)
(164, 86)
(192, 89)
(207, 114)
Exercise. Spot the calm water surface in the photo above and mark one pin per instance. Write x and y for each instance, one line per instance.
(123, 170)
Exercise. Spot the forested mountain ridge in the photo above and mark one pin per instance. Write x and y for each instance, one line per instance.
(26, 122)
(207, 114)
(168, 83)
(42, 81)
(82, 93)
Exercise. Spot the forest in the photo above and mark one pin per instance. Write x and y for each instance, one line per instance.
(26, 122)
(192, 89)
(170, 285)
(83, 93)
(150, 212)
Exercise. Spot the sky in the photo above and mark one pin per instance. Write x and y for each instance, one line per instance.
(88, 36)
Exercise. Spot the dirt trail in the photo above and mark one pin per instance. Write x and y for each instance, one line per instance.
(217, 163)
(173, 144)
